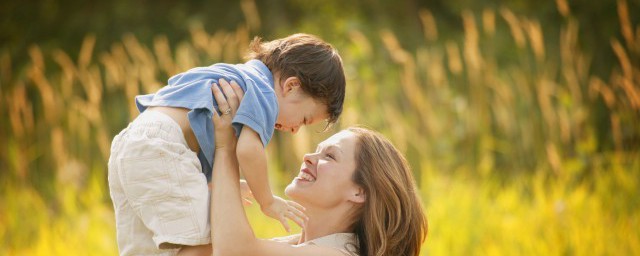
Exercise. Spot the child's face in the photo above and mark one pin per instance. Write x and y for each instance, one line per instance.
(298, 109)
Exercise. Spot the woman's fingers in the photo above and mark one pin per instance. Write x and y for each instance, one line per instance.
(237, 89)
(224, 133)
(233, 93)
(216, 117)
(223, 105)
(217, 94)
(230, 95)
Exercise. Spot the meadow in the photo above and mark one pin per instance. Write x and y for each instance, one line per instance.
(518, 147)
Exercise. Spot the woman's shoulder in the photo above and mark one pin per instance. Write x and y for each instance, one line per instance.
(292, 239)
(345, 242)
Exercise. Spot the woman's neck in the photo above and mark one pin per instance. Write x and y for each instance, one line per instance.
(323, 222)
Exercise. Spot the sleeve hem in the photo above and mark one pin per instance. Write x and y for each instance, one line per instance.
(253, 124)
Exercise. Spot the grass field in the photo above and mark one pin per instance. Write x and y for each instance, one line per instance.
(527, 155)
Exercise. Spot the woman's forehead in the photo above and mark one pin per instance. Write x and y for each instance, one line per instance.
(341, 139)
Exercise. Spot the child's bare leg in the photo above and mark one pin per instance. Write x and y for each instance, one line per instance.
(199, 250)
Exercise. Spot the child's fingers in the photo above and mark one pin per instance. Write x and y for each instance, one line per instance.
(296, 219)
(246, 202)
(296, 212)
(296, 205)
(245, 190)
(285, 224)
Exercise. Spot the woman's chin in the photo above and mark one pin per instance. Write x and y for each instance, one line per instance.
(297, 187)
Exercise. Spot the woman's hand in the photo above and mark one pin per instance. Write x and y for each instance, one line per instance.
(224, 133)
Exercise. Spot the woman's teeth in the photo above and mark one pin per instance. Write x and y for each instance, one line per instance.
(306, 176)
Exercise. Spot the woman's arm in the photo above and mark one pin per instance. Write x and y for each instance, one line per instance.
(231, 232)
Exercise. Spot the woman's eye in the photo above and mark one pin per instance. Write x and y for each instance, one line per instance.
(331, 156)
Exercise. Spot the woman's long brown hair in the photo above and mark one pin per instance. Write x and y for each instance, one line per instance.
(391, 221)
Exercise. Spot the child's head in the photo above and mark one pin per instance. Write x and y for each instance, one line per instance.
(309, 79)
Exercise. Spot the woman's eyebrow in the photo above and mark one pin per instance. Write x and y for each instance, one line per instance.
(335, 148)
(328, 147)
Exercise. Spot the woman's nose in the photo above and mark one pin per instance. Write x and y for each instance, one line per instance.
(308, 159)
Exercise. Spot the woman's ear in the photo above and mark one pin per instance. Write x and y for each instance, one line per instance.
(359, 196)
(291, 84)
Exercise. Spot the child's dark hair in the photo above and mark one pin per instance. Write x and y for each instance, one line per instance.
(316, 63)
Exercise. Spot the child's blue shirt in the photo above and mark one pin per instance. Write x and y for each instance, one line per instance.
(192, 90)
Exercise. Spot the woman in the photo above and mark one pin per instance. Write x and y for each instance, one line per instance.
(356, 189)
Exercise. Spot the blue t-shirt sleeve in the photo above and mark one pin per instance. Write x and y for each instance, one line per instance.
(258, 110)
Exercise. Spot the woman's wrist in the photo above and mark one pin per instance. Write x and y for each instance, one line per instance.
(225, 140)
(226, 149)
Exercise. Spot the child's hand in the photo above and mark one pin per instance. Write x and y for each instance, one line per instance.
(282, 210)
(245, 192)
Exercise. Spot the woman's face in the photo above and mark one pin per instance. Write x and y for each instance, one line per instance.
(325, 178)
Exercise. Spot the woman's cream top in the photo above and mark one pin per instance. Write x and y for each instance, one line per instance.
(345, 242)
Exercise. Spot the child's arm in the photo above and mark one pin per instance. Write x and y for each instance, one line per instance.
(252, 159)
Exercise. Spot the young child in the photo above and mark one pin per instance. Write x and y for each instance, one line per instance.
(156, 166)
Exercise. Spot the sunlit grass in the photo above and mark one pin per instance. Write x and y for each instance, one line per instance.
(513, 157)
(535, 216)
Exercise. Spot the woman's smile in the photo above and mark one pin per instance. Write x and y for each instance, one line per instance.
(306, 175)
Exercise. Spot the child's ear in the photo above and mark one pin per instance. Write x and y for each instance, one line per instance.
(291, 84)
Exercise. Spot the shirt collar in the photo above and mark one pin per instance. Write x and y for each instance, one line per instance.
(262, 69)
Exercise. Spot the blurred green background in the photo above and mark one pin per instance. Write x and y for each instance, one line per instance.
(520, 119)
